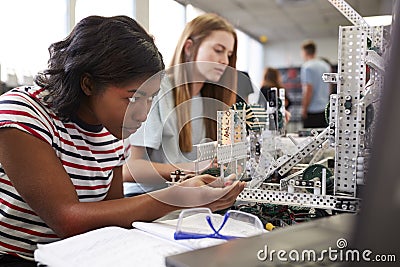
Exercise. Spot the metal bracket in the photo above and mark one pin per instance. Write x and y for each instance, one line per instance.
(331, 77)
(373, 59)
(302, 153)
(352, 15)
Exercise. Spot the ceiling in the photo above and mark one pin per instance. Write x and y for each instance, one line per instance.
(285, 20)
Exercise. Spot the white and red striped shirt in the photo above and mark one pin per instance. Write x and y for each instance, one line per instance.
(88, 153)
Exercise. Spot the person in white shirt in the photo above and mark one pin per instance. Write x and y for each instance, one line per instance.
(201, 80)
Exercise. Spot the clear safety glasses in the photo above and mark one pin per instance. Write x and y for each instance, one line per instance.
(202, 223)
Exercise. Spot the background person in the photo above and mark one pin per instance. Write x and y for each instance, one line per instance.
(61, 147)
(272, 78)
(200, 81)
(315, 95)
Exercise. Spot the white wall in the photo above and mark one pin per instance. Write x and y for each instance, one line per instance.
(287, 54)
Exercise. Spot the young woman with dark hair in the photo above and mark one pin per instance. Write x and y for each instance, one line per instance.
(62, 142)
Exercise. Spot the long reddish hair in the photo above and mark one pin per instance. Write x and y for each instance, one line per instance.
(197, 30)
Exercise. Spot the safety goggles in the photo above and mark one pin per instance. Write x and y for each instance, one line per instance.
(202, 223)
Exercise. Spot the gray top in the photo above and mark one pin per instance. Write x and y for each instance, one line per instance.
(160, 132)
(311, 73)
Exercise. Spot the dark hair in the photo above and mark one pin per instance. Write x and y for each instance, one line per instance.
(111, 50)
(309, 47)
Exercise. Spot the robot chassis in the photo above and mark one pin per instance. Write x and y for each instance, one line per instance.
(350, 129)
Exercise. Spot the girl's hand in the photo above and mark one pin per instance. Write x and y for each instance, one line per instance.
(208, 191)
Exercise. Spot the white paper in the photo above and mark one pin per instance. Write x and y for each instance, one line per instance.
(147, 245)
(165, 230)
(109, 246)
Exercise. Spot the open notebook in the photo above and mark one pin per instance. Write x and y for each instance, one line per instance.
(146, 245)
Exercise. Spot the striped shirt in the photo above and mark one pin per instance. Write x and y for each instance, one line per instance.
(88, 153)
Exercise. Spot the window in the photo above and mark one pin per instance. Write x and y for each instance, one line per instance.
(256, 61)
(27, 30)
(243, 51)
(166, 23)
(192, 12)
(105, 8)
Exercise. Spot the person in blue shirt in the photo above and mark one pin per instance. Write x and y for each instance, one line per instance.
(315, 90)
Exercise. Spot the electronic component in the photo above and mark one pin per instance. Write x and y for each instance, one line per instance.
(248, 134)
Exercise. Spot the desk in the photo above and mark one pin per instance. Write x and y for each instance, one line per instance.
(315, 235)
(146, 245)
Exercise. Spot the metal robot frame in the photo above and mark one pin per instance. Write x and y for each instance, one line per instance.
(350, 129)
